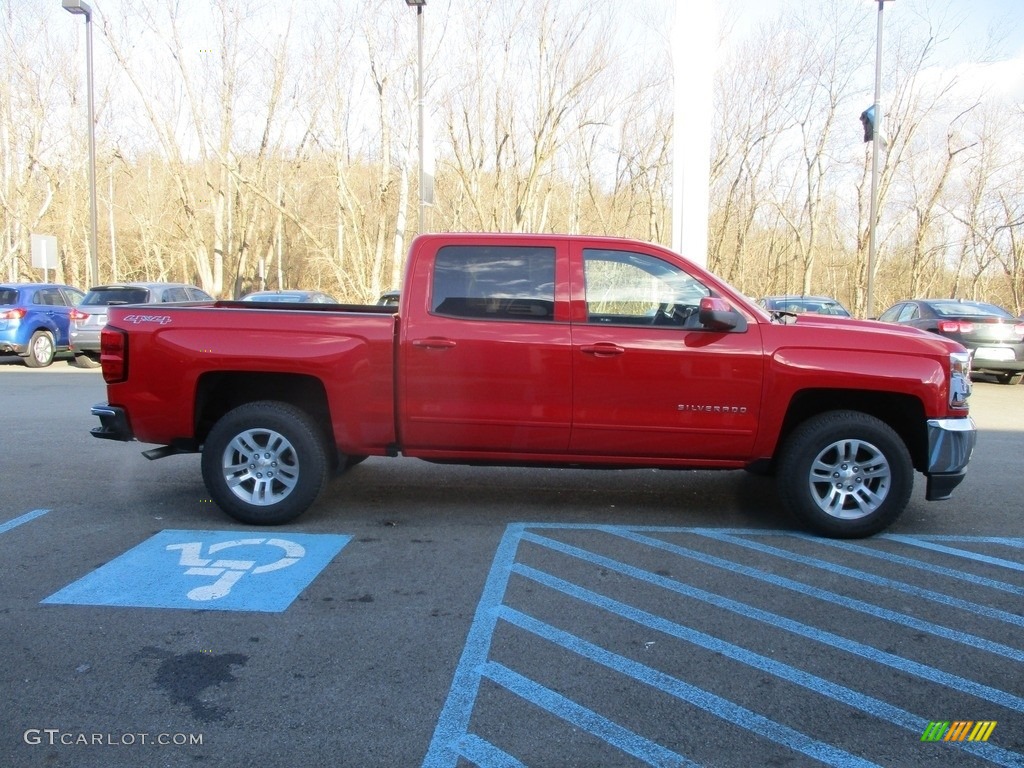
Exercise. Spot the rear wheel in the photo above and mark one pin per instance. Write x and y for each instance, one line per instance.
(264, 463)
(86, 361)
(845, 474)
(40, 350)
(1010, 378)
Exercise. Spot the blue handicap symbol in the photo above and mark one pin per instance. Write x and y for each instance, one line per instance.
(212, 570)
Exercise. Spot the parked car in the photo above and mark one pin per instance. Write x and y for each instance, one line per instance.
(298, 297)
(34, 320)
(820, 305)
(388, 299)
(994, 336)
(89, 317)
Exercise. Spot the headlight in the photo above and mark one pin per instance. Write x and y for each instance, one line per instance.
(959, 379)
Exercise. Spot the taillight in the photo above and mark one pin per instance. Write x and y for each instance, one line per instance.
(77, 314)
(955, 326)
(1018, 329)
(114, 355)
(12, 314)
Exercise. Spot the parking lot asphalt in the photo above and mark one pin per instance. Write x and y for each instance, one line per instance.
(455, 616)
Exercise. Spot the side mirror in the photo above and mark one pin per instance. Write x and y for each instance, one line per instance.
(715, 314)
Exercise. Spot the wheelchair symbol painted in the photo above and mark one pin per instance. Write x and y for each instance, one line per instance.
(230, 571)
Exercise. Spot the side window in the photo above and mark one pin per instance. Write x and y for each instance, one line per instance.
(72, 296)
(175, 294)
(908, 313)
(494, 283)
(891, 315)
(49, 297)
(626, 288)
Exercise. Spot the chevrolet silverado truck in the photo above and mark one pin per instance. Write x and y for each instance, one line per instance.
(544, 350)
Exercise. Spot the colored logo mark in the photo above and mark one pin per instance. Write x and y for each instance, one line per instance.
(958, 730)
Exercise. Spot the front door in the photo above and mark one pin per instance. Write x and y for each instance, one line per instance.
(649, 380)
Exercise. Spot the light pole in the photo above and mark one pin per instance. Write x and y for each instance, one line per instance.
(424, 182)
(876, 141)
(82, 8)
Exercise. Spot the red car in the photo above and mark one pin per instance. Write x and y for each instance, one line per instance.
(994, 336)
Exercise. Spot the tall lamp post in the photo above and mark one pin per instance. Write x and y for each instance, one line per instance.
(80, 7)
(426, 184)
(876, 141)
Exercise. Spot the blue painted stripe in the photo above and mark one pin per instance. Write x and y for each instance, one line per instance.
(1009, 542)
(859, 605)
(454, 720)
(917, 542)
(780, 622)
(486, 755)
(853, 604)
(705, 700)
(27, 517)
(910, 562)
(622, 738)
(868, 704)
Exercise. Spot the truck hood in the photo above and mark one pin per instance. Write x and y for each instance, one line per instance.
(846, 333)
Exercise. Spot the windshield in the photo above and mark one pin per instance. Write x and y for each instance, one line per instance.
(105, 296)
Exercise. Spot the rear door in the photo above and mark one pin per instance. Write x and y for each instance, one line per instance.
(649, 380)
(485, 355)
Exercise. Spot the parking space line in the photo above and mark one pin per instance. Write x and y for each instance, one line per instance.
(836, 691)
(586, 719)
(916, 541)
(27, 517)
(908, 666)
(859, 605)
(910, 562)
(518, 675)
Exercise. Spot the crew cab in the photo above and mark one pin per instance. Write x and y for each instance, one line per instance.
(547, 350)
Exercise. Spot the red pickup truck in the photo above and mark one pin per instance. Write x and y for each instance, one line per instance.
(547, 350)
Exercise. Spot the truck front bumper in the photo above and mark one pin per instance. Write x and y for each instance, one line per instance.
(950, 445)
(113, 423)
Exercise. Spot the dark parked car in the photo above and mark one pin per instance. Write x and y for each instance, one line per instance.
(34, 320)
(821, 305)
(994, 336)
(90, 316)
(299, 297)
(389, 299)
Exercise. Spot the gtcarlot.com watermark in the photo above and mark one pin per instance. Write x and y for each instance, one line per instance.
(54, 737)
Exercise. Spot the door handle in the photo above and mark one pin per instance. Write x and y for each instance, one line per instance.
(433, 343)
(602, 349)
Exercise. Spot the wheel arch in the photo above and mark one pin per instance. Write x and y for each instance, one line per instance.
(219, 392)
(904, 413)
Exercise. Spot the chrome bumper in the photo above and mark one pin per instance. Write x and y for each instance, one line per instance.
(950, 445)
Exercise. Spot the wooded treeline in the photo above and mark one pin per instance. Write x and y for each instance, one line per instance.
(238, 138)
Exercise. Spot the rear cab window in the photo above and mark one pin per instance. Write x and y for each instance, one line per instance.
(494, 283)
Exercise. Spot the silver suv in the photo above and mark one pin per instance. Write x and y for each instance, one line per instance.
(89, 317)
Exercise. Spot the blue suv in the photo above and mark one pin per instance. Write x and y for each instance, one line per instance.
(34, 320)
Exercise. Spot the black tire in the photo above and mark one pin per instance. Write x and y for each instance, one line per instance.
(86, 361)
(845, 474)
(286, 465)
(1009, 378)
(41, 350)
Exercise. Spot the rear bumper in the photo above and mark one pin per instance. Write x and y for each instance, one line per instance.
(950, 445)
(113, 423)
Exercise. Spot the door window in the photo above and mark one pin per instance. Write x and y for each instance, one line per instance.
(626, 288)
(494, 283)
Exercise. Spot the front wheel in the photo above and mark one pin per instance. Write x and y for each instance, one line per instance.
(264, 463)
(845, 474)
